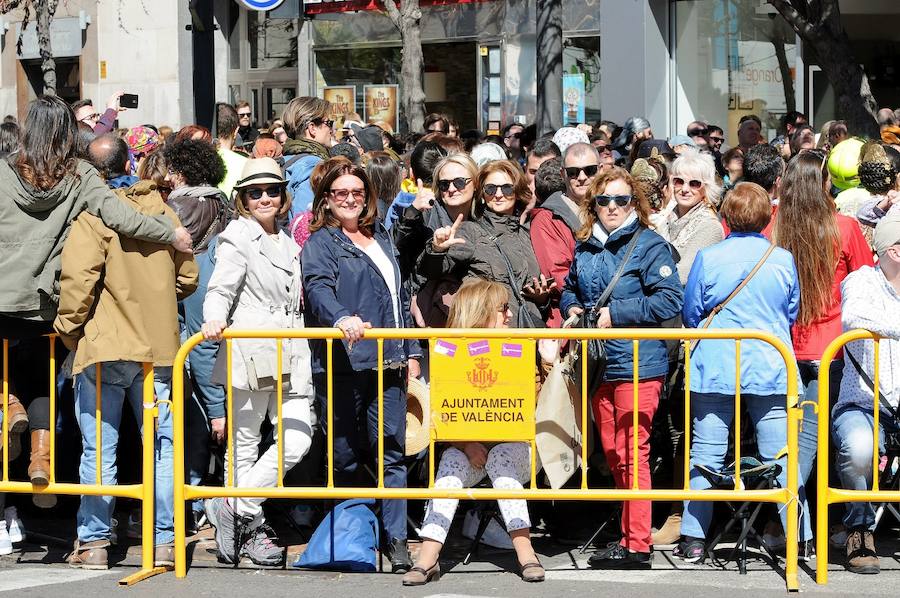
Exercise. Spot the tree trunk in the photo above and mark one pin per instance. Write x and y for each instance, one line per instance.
(790, 97)
(549, 65)
(44, 10)
(412, 92)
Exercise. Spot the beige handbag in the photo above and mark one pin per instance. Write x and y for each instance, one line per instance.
(558, 425)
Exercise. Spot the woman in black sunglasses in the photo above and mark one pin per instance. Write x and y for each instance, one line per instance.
(494, 244)
(616, 237)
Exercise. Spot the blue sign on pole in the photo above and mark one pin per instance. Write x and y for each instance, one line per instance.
(261, 4)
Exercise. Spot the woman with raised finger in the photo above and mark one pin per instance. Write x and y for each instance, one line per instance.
(616, 238)
(256, 285)
(351, 281)
(494, 244)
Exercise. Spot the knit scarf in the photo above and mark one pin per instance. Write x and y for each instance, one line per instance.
(305, 146)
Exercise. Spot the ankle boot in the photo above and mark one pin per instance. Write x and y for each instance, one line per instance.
(39, 469)
(18, 417)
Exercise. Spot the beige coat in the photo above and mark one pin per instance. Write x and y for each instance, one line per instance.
(119, 296)
(256, 285)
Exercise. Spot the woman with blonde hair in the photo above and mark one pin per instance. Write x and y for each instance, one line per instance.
(479, 303)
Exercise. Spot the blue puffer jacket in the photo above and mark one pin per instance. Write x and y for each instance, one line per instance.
(297, 171)
(340, 280)
(648, 293)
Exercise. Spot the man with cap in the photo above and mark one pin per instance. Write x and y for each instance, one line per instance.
(682, 143)
(368, 138)
(870, 300)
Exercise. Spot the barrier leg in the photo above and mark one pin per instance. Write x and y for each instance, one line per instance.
(178, 457)
(792, 532)
(148, 484)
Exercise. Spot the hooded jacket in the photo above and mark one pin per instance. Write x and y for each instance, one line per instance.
(118, 295)
(34, 226)
(300, 157)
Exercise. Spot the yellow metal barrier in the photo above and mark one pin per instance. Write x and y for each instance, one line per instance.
(825, 494)
(143, 492)
(788, 496)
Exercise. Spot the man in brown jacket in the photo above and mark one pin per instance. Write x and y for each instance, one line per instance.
(118, 310)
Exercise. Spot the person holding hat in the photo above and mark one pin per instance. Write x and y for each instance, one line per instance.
(256, 285)
(870, 300)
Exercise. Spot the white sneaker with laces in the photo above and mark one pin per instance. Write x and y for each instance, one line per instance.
(5, 542)
(15, 527)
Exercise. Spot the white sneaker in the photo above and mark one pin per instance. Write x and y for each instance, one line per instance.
(5, 542)
(14, 525)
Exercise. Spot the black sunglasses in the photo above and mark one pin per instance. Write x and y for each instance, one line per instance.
(693, 183)
(573, 171)
(490, 190)
(619, 200)
(257, 193)
(459, 183)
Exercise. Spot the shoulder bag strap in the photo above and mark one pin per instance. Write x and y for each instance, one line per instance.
(513, 283)
(629, 249)
(885, 404)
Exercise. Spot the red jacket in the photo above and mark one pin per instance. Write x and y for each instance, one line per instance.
(554, 248)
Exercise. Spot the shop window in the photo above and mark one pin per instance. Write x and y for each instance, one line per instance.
(733, 60)
(234, 36)
(273, 42)
(357, 67)
(581, 79)
(276, 99)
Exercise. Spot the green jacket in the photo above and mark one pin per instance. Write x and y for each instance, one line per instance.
(34, 226)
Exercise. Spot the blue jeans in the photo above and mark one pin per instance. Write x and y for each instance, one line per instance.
(851, 428)
(712, 414)
(121, 381)
(809, 427)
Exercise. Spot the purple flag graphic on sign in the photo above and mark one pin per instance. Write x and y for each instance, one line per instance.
(511, 350)
(479, 348)
(445, 348)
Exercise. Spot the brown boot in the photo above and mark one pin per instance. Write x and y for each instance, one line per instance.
(18, 417)
(90, 555)
(861, 555)
(670, 532)
(39, 469)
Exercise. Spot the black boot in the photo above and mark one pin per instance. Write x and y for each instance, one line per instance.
(398, 553)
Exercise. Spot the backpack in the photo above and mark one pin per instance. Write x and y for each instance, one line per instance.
(346, 540)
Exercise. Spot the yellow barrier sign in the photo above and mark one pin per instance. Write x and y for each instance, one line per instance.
(482, 389)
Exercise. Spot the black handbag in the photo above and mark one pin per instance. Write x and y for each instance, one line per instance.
(596, 355)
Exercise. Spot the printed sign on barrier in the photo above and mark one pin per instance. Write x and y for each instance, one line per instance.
(482, 389)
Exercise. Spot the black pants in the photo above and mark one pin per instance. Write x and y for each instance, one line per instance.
(29, 365)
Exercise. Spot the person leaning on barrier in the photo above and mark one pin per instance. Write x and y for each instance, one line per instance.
(478, 304)
(769, 302)
(43, 188)
(352, 281)
(870, 300)
(117, 310)
(256, 285)
(615, 214)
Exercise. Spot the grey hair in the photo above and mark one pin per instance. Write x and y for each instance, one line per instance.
(633, 125)
(581, 149)
(695, 162)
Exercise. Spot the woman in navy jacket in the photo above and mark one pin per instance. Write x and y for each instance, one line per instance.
(351, 281)
(647, 294)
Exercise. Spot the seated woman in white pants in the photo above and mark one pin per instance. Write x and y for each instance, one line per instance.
(478, 304)
(256, 285)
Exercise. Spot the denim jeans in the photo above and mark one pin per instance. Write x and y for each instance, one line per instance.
(712, 414)
(851, 428)
(121, 381)
(809, 427)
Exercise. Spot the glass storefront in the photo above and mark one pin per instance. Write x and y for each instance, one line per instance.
(273, 42)
(581, 65)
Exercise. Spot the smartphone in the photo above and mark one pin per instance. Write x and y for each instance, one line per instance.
(128, 100)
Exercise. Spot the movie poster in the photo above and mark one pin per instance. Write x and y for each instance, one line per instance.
(343, 102)
(382, 105)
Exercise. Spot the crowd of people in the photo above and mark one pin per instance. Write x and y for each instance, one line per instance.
(127, 242)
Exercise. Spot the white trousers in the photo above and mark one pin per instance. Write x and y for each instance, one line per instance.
(261, 471)
(508, 466)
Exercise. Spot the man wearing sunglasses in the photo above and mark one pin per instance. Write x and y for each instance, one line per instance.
(247, 133)
(99, 123)
(512, 139)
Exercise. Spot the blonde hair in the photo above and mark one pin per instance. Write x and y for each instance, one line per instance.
(302, 111)
(461, 160)
(475, 304)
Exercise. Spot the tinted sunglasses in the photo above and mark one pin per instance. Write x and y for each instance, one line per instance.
(573, 171)
(257, 193)
(603, 149)
(490, 190)
(324, 121)
(693, 183)
(620, 201)
(459, 183)
(243, 114)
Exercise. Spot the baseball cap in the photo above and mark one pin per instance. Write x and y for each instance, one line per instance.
(681, 140)
(887, 233)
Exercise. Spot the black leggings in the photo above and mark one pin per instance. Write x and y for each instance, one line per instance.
(29, 365)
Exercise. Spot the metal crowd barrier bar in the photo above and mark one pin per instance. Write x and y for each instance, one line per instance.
(825, 494)
(787, 496)
(143, 492)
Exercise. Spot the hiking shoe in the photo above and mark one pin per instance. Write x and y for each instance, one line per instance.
(398, 553)
(89, 555)
(164, 556)
(690, 550)
(5, 542)
(616, 556)
(227, 525)
(133, 527)
(806, 550)
(773, 536)
(261, 547)
(861, 555)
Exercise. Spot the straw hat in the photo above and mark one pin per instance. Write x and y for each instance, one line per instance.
(418, 417)
(260, 171)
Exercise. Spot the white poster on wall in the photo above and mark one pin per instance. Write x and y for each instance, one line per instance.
(758, 82)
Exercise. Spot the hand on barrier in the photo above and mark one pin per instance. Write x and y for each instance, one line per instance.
(212, 331)
(353, 328)
(217, 429)
(445, 237)
(183, 242)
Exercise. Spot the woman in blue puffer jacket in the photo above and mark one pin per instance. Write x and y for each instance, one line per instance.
(649, 292)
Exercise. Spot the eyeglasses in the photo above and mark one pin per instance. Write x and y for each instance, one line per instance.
(256, 193)
(716, 139)
(438, 130)
(244, 114)
(94, 116)
(693, 183)
(602, 149)
(513, 136)
(573, 171)
(620, 201)
(459, 183)
(490, 190)
(698, 132)
(343, 194)
(324, 121)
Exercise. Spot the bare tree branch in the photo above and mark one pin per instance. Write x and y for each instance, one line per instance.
(393, 13)
(796, 20)
(8, 5)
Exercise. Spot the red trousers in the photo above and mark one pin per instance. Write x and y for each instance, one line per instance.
(613, 408)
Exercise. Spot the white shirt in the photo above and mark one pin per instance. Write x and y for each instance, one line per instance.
(386, 267)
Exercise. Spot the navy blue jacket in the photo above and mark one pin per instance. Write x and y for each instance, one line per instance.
(340, 280)
(648, 293)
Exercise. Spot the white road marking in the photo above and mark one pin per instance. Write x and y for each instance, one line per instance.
(18, 578)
